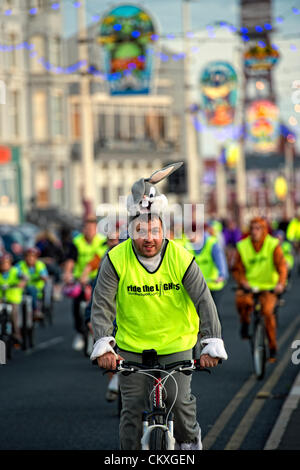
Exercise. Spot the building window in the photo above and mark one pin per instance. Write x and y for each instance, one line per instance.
(104, 195)
(39, 109)
(102, 124)
(55, 52)
(8, 193)
(75, 121)
(57, 114)
(37, 56)
(12, 56)
(15, 113)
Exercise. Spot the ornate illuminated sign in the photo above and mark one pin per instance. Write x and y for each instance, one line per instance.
(126, 34)
(218, 84)
(263, 126)
(260, 57)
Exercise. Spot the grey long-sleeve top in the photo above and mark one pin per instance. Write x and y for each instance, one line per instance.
(104, 301)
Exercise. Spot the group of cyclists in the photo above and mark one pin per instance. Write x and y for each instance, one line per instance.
(262, 258)
(90, 269)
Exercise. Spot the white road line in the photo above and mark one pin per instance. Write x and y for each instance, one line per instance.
(289, 406)
(233, 405)
(246, 423)
(45, 345)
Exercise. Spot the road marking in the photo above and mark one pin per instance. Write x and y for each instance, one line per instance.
(45, 345)
(246, 423)
(289, 406)
(233, 405)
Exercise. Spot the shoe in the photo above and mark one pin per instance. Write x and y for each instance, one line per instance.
(245, 331)
(78, 343)
(273, 354)
(190, 445)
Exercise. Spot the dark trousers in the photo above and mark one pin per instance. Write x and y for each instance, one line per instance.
(77, 315)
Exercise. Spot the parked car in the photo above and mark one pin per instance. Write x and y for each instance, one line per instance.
(30, 232)
(14, 241)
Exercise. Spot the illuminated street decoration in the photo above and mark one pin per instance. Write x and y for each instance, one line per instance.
(263, 126)
(232, 154)
(126, 34)
(218, 83)
(260, 57)
(280, 188)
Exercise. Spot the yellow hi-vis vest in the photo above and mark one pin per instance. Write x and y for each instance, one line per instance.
(86, 252)
(293, 230)
(14, 294)
(259, 266)
(207, 265)
(154, 310)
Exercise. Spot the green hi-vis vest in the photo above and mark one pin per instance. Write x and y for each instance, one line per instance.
(87, 251)
(154, 311)
(207, 265)
(259, 266)
(13, 295)
(34, 279)
(288, 254)
(293, 230)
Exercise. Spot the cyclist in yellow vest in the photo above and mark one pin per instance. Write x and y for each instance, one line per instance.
(293, 236)
(84, 248)
(293, 229)
(287, 249)
(36, 274)
(157, 292)
(11, 290)
(212, 261)
(260, 263)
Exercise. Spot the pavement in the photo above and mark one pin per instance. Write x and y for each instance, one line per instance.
(286, 432)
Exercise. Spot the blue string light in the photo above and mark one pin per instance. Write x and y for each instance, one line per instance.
(33, 11)
(8, 12)
(135, 34)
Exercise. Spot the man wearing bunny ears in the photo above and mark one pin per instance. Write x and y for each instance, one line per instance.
(157, 293)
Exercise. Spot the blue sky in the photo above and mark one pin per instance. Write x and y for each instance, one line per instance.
(167, 13)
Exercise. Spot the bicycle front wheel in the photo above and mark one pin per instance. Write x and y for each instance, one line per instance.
(158, 439)
(259, 350)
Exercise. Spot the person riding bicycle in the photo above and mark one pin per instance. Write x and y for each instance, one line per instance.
(12, 280)
(51, 253)
(260, 263)
(293, 234)
(211, 260)
(287, 249)
(36, 274)
(83, 249)
(112, 241)
(157, 292)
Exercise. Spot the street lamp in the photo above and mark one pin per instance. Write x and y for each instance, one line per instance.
(87, 134)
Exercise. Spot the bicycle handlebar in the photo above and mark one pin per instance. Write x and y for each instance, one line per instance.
(186, 367)
(254, 290)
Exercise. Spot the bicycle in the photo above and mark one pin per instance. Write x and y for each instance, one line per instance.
(6, 327)
(158, 425)
(257, 335)
(48, 301)
(27, 323)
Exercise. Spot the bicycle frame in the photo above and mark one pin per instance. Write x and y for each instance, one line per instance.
(159, 418)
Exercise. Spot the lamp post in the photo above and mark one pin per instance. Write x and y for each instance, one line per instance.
(194, 164)
(87, 134)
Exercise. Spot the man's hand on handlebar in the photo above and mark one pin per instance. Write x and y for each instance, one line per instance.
(207, 361)
(109, 361)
